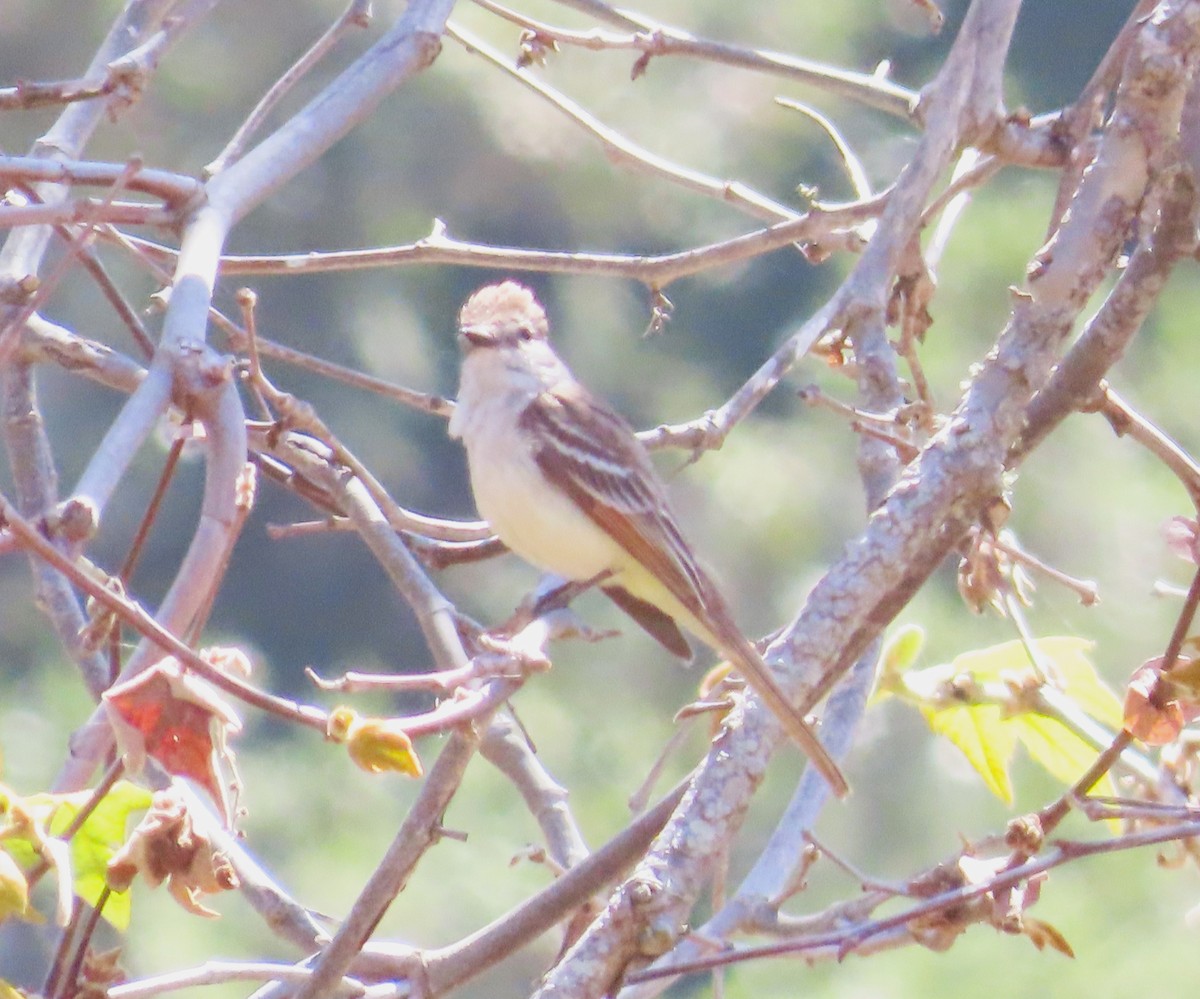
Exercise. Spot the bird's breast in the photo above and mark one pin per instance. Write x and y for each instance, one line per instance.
(531, 515)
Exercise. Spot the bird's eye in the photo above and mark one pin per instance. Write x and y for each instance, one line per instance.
(524, 333)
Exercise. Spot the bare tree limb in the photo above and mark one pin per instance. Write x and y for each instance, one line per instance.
(356, 15)
(420, 831)
(507, 748)
(654, 39)
(819, 226)
(624, 151)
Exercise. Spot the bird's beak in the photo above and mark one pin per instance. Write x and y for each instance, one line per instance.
(475, 336)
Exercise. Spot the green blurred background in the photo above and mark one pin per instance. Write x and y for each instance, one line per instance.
(472, 148)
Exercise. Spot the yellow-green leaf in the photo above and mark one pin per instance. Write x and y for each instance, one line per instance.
(1063, 753)
(1081, 681)
(94, 842)
(902, 649)
(374, 744)
(97, 840)
(1067, 661)
(377, 745)
(984, 739)
(993, 663)
(954, 698)
(14, 889)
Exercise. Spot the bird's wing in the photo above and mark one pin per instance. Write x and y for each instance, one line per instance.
(591, 453)
(658, 624)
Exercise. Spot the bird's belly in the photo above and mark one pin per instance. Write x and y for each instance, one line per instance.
(536, 520)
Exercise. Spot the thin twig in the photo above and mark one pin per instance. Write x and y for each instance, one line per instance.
(859, 181)
(417, 834)
(654, 39)
(836, 944)
(32, 539)
(220, 972)
(821, 226)
(78, 242)
(295, 413)
(623, 151)
(1050, 817)
(175, 190)
(505, 746)
(29, 94)
(356, 15)
(447, 967)
(1086, 589)
(153, 256)
(1128, 422)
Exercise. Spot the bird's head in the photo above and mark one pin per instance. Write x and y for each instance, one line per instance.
(501, 315)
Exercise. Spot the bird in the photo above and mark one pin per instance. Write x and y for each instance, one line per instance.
(564, 482)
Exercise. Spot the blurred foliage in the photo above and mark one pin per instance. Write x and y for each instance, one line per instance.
(771, 509)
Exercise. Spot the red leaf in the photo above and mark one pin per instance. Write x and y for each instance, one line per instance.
(178, 719)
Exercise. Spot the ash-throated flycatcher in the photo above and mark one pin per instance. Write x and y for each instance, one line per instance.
(566, 485)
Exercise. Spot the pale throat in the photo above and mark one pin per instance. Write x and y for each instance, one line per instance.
(495, 385)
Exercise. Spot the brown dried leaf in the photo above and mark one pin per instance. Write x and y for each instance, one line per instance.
(101, 969)
(166, 846)
(1157, 707)
(1044, 935)
(535, 49)
(908, 304)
